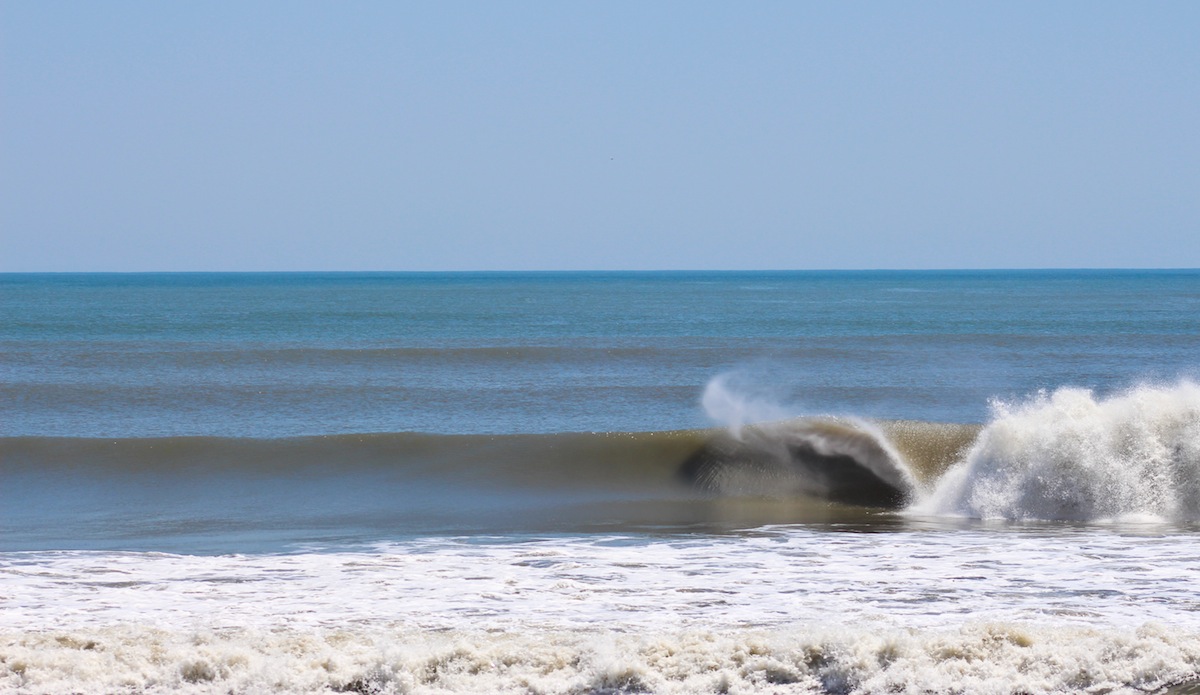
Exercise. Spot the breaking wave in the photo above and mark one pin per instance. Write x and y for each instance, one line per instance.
(1071, 455)
(1062, 455)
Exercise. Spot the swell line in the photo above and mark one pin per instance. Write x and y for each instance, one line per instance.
(847, 461)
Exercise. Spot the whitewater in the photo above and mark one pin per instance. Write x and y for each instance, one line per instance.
(1034, 612)
(600, 483)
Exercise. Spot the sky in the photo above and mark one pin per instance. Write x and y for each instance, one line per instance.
(262, 136)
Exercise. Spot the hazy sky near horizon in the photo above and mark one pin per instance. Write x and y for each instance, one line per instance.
(598, 135)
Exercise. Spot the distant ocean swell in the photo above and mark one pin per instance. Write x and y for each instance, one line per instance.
(1065, 455)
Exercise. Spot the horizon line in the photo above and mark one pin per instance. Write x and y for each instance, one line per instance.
(607, 271)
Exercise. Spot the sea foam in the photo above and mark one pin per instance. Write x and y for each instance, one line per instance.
(980, 658)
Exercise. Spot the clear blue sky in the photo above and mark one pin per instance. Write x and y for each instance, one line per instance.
(598, 135)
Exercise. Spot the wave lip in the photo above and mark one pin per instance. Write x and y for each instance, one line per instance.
(1070, 455)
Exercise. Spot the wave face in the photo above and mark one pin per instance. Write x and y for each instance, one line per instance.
(845, 460)
(820, 457)
(74, 492)
(1069, 455)
(541, 461)
(213, 494)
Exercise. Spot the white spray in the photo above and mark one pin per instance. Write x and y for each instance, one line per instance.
(1069, 455)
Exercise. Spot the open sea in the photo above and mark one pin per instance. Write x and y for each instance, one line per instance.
(769, 482)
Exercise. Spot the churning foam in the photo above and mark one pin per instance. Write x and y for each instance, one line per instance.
(1069, 455)
(994, 658)
(784, 609)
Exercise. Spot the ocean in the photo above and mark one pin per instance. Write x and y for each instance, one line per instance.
(675, 482)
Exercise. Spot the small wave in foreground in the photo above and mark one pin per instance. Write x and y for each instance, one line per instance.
(977, 658)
